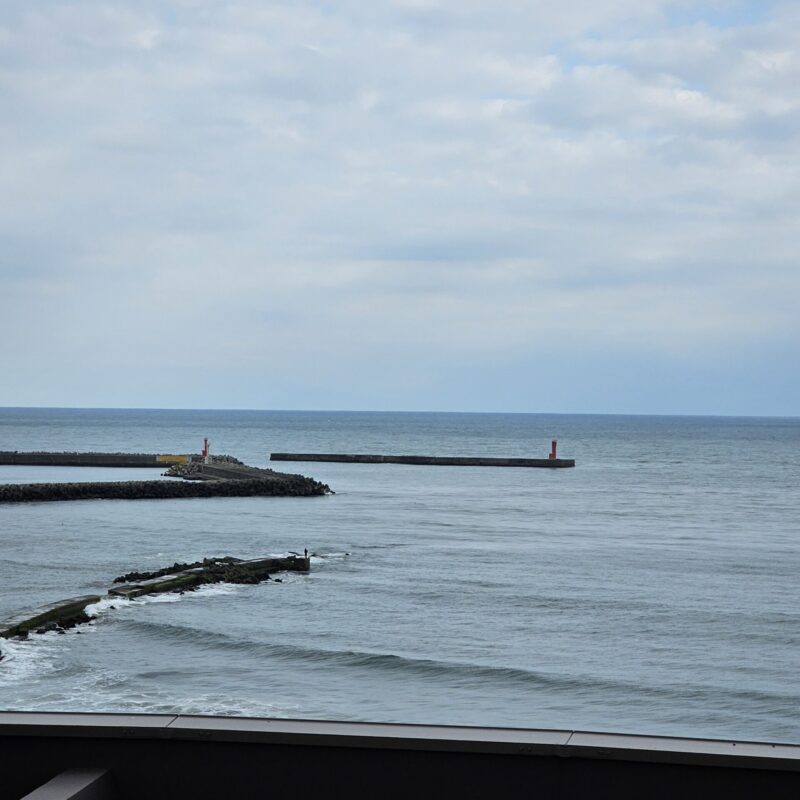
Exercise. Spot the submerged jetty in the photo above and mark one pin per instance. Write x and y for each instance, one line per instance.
(65, 614)
(204, 476)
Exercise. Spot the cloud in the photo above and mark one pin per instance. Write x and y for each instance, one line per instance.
(406, 185)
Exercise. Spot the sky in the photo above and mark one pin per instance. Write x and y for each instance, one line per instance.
(590, 206)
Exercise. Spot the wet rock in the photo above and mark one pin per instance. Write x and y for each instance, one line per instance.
(131, 577)
(50, 626)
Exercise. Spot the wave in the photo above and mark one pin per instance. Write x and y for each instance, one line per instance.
(25, 660)
(455, 671)
(105, 605)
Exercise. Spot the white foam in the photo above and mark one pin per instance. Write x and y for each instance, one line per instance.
(322, 558)
(214, 704)
(24, 659)
(108, 604)
(287, 577)
(105, 605)
(167, 597)
(110, 692)
(216, 589)
(206, 590)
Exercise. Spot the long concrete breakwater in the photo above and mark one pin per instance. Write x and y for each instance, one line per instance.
(65, 614)
(91, 459)
(445, 461)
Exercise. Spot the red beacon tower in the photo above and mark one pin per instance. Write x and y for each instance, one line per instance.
(553, 446)
(205, 453)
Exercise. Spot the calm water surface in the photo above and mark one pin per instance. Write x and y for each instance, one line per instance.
(651, 589)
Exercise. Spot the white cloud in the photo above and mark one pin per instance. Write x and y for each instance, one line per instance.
(452, 181)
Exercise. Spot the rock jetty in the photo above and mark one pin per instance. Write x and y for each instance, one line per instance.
(66, 614)
(278, 486)
(132, 577)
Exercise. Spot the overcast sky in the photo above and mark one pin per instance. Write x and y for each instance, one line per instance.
(581, 206)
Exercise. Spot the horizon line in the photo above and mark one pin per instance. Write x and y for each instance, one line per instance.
(402, 411)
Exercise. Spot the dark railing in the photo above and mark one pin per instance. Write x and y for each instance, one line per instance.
(104, 756)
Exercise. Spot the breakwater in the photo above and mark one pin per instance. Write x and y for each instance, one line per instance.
(278, 485)
(65, 614)
(45, 459)
(214, 476)
(53, 616)
(444, 461)
(225, 570)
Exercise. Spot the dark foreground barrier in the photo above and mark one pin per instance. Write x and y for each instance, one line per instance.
(167, 757)
(443, 461)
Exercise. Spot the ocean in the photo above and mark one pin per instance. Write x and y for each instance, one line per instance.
(651, 589)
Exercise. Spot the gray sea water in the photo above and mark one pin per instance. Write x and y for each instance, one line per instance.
(652, 589)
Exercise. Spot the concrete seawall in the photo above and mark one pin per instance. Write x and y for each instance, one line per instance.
(64, 613)
(445, 461)
(42, 459)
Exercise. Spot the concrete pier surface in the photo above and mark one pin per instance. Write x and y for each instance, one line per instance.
(444, 461)
(198, 471)
(61, 614)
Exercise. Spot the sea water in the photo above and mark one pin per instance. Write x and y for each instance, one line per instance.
(651, 589)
